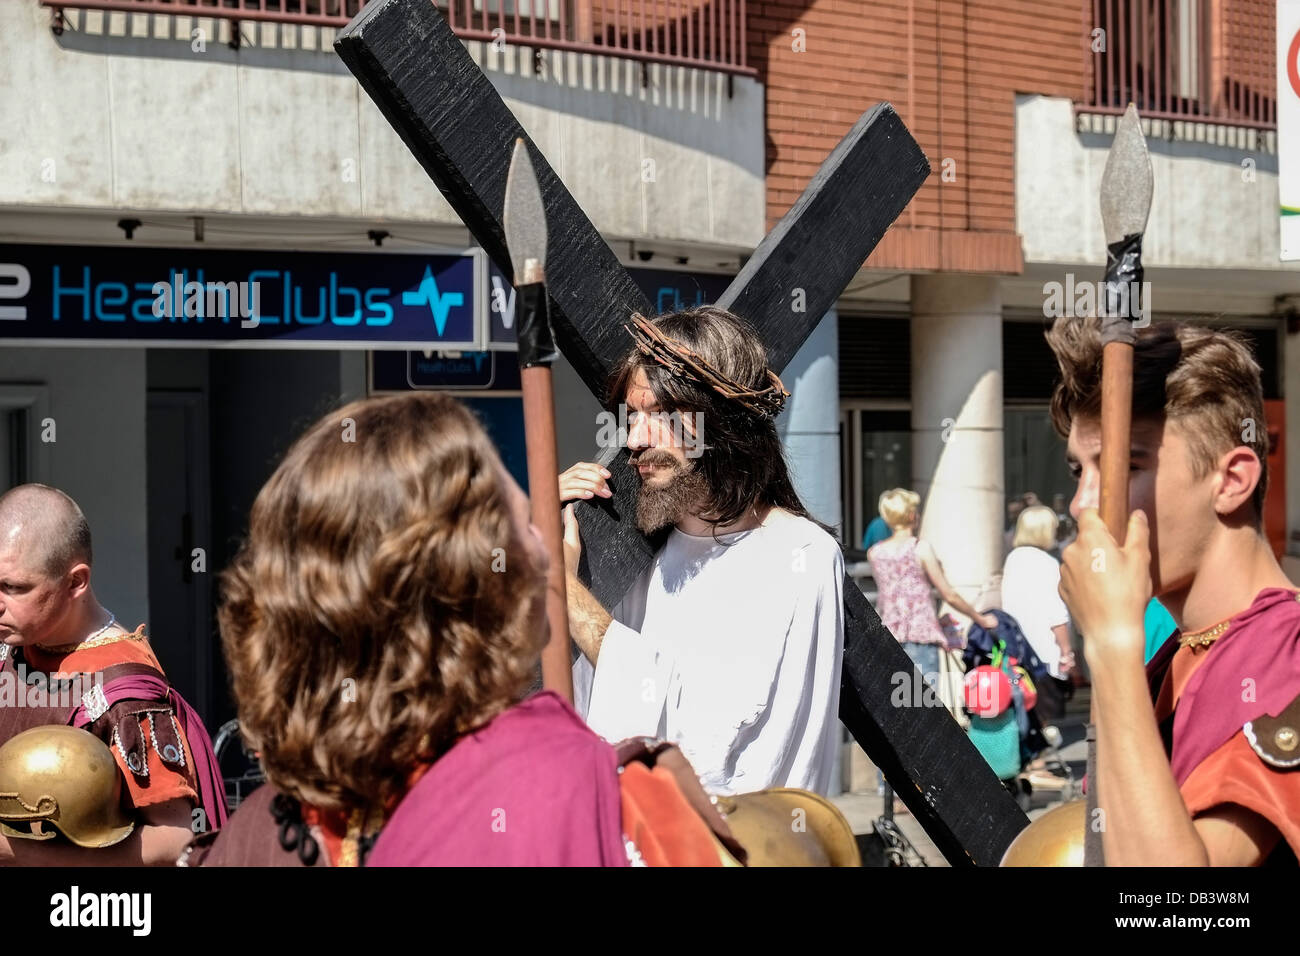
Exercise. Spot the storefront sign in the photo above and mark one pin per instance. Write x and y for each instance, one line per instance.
(98, 295)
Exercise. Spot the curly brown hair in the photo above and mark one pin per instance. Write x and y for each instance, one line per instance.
(1205, 379)
(382, 552)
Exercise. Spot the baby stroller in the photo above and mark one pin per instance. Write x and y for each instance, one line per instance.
(1001, 673)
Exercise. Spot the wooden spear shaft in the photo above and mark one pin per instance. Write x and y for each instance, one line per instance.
(524, 218)
(1116, 426)
(1126, 188)
(544, 493)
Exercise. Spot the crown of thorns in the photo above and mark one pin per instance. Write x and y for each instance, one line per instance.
(686, 363)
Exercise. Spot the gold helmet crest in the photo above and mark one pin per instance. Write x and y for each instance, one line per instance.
(61, 777)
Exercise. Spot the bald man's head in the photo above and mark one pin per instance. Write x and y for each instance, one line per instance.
(45, 528)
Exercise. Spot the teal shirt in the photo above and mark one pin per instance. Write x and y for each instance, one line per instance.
(876, 532)
(1159, 625)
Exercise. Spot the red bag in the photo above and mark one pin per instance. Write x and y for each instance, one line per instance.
(987, 691)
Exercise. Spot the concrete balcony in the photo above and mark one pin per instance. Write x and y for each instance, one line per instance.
(158, 114)
(1214, 226)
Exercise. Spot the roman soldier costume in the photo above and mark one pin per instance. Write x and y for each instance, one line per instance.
(112, 686)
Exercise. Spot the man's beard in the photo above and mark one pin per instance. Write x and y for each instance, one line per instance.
(664, 504)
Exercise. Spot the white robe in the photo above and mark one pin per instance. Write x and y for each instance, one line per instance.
(732, 651)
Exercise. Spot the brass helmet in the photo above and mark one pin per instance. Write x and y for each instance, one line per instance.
(788, 827)
(1054, 839)
(62, 777)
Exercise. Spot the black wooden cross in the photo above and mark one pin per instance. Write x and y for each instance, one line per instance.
(451, 117)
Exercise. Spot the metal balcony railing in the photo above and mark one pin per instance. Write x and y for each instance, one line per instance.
(1211, 61)
(709, 34)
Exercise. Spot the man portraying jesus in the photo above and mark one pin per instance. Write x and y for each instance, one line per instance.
(730, 643)
(1197, 755)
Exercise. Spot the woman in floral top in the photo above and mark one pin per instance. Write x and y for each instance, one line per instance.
(905, 568)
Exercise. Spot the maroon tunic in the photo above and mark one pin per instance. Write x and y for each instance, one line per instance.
(1212, 705)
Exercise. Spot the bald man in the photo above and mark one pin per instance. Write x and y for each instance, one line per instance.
(52, 624)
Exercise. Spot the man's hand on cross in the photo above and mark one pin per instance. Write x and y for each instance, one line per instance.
(586, 479)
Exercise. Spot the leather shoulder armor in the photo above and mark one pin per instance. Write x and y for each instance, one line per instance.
(121, 725)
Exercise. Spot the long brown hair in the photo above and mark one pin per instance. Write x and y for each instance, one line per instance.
(742, 460)
(382, 603)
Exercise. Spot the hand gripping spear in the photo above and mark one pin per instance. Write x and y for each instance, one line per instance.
(1054, 838)
(524, 219)
(1126, 186)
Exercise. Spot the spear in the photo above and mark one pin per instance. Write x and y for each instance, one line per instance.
(524, 219)
(1126, 186)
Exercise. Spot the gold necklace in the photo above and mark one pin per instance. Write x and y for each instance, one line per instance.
(361, 823)
(1209, 635)
(1206, 637)
(95, 639)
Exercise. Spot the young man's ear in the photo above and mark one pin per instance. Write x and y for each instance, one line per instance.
(1239, 472)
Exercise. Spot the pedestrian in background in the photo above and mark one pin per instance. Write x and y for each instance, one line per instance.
(1031, 577)
(905, 568)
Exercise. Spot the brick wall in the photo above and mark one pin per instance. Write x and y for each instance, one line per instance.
(951, 68)
(1249, 81)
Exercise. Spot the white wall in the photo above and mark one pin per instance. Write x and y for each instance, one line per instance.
(122, 113)
(957, 429)
(809, 425)
(97, 401)
(1208, 210)
(1212, 244)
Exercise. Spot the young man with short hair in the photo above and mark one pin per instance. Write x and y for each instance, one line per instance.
(1197, 753)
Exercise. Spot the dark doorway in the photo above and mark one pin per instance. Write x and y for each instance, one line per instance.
(180, 542)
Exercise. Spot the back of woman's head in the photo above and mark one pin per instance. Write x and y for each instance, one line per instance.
(1036, 528)
(898, 506)
(383, 602)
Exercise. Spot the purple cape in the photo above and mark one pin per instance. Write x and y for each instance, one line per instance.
(535, 787)
(207, 772)
(1251, 671)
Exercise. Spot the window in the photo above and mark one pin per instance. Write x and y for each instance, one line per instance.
(13, 447)
(877, 447)
(24, 457)
(1184, 59)
(1034, 458)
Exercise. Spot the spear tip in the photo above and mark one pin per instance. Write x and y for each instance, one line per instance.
(1128, 181)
